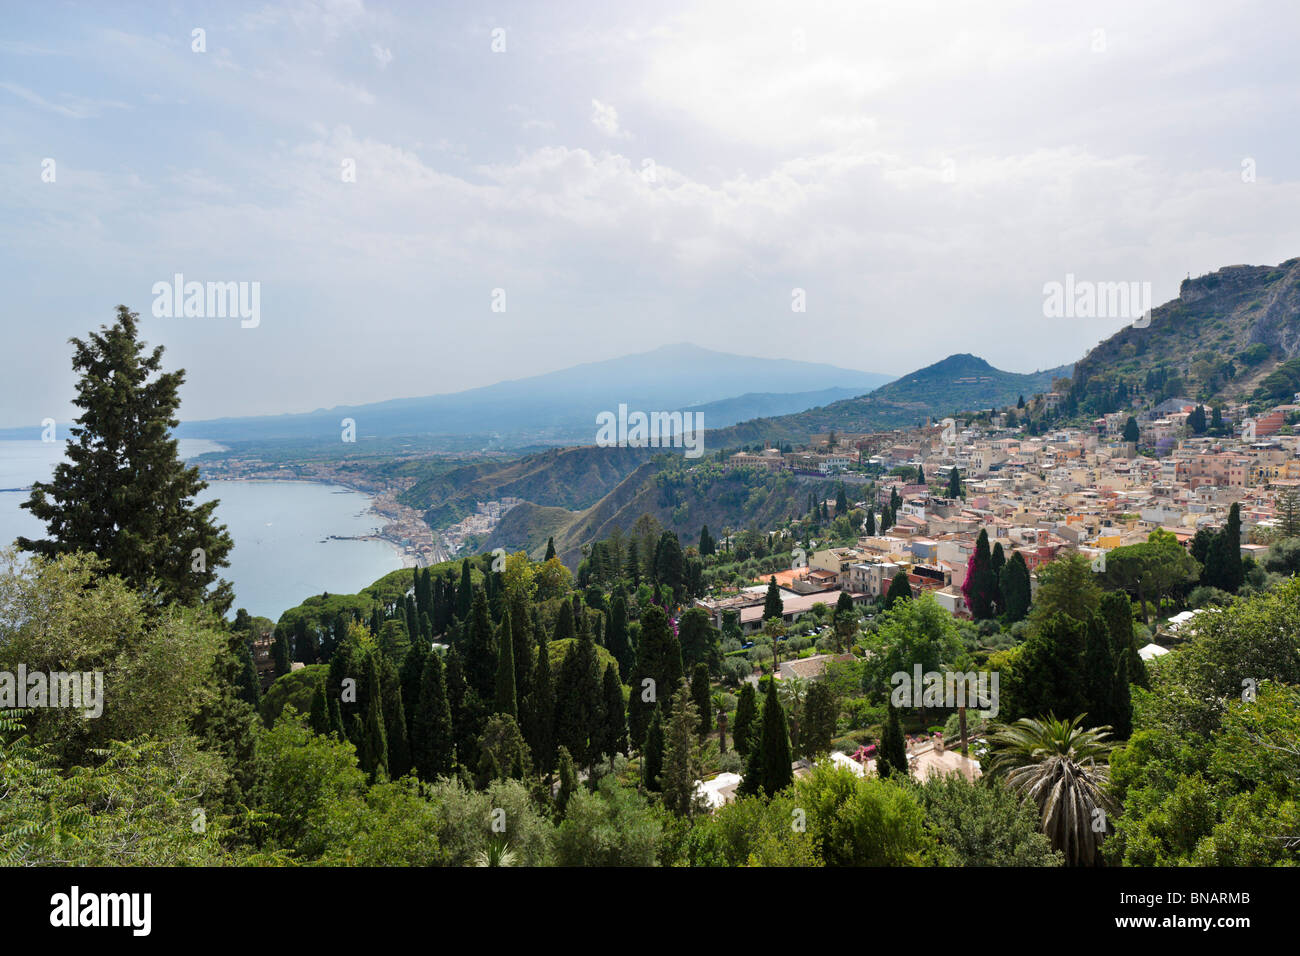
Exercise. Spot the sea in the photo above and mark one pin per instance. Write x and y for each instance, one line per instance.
(283, 551)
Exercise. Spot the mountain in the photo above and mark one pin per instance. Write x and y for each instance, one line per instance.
(1234, 333)
(958, 383)
(561, 406)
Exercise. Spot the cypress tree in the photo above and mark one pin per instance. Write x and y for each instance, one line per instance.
(320, 717)
(773, 606)
(652, 752)
(978, 587)
(769, 767)
(280, 653)
(891, 756)
(578, 701)
(955, 489)
(1015, 587)
(659, 661)
(742, 733)
(506, 700)
(899, 590)
(550, 548)
(1098, 672)
(481, 650)
(681, 764)
(124, 494)
(617, 637)
(564, 627)
(613, 738)
(464, 593)
(399, 746)
(410, 676)
(568, 780)
(702, 697)
(432, 736)
(336, 718)
(540, 731)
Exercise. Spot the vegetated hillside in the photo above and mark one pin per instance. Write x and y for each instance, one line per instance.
(958, 383)
(1225, 336)
(729, 411)
(682, 499)
(561, 406)
(568, 478)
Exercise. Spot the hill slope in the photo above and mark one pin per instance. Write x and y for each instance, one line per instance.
(1224, 335)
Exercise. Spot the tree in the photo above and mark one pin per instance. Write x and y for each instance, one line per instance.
(506, 699)
(1015, 586)
(280, 652)
(616, 636)
(1287, 504)
(891, 756)
(540, 729)
(979, 586)
(769, 768)
(1223, 568)
(870, 528)
(652, 751)
(701, 695)
(682, 766)
(998, 561)
(742, 732)
(613, 736)
(899, 590)
(124, 494)
(1196, 420)
(821, 716)
(658, 666)
(431, 730)
(578, 701)
(707, 546)
(550, 548)
(481, 650)
(698, 638)
(1131, 433)
(983, 824)
(845, 621)
(1059, 767)
(773, 606)
(955, 489)
(1066, 586)
(841, 501)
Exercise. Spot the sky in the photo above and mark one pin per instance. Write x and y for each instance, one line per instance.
(432, 197)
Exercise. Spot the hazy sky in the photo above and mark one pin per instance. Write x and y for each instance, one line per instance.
(630, 174)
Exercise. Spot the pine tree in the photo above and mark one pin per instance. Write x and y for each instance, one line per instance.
(742, 731)
(891, 756)
(506, 700)
(432, 737)
(652, 751)
(702, 696)
(124, 494)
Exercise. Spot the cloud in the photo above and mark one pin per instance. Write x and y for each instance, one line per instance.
(605, 118)
(383, 55)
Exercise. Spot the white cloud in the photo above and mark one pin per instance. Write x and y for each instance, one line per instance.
(605, 118)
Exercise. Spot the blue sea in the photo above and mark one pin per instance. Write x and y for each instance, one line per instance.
(280, 529)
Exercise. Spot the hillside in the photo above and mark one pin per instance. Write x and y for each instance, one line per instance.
(682, 499)
(1224, 336)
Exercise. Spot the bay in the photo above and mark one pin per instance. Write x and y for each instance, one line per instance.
(283, 552)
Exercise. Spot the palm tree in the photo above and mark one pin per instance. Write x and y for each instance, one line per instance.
(498, 853)
(1061, 767)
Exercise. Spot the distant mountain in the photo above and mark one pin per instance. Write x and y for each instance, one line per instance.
(561, 407)
(958, 383)
(1234, 333)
